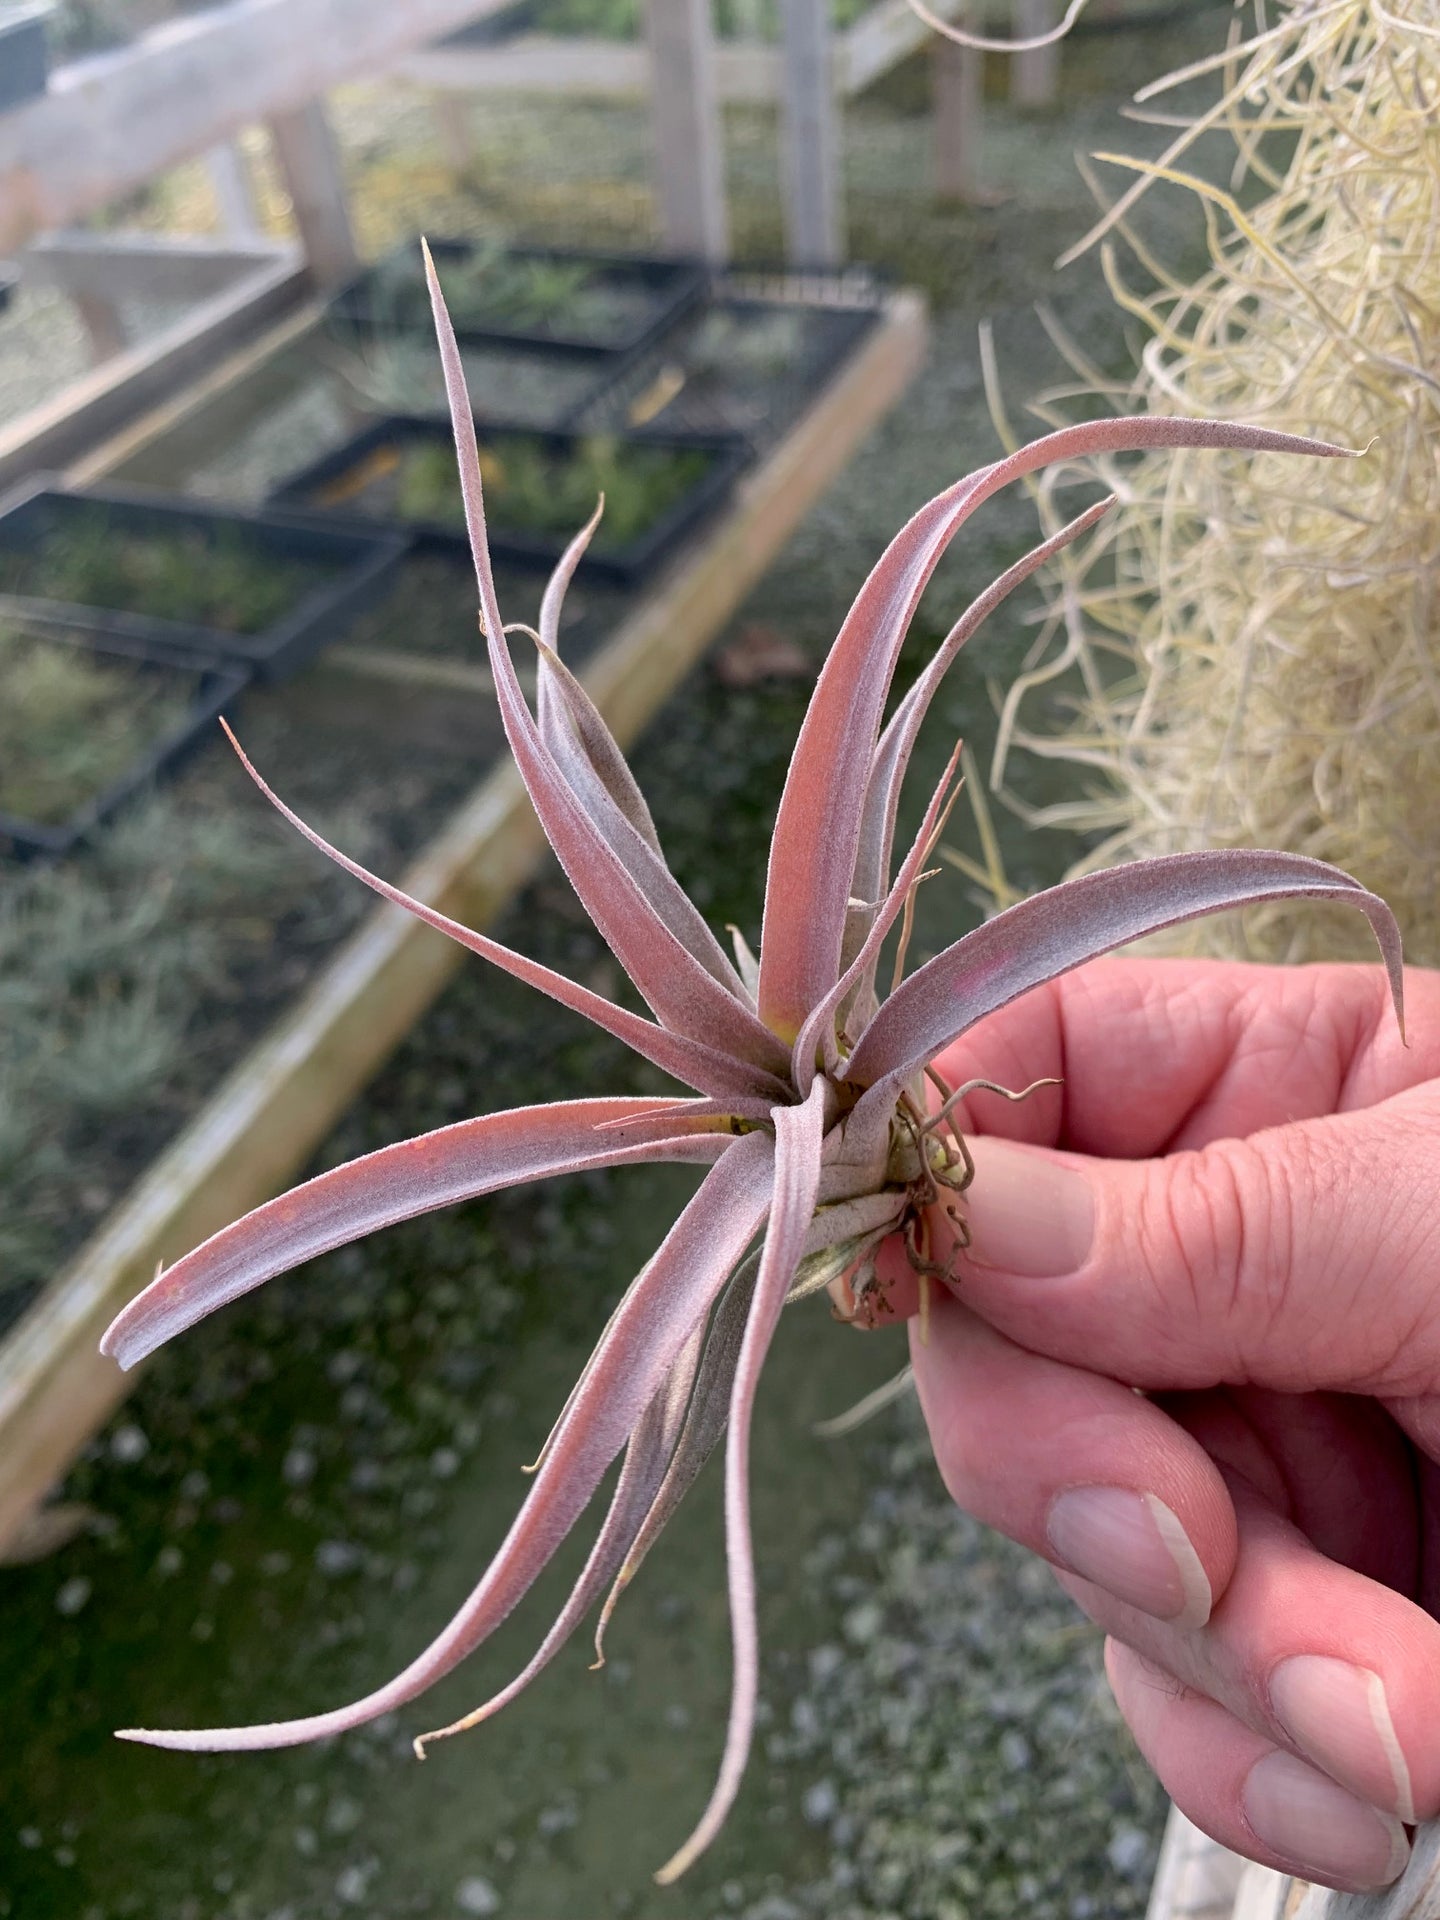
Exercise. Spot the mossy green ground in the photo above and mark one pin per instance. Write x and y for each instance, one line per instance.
(298, 1494)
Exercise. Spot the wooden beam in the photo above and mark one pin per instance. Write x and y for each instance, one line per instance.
(104, 329)
(310, 163)
(65, 428)
(810, 137)
(689, 158)
(129, 266)
(268, 1115)
(958, 83)
(745, 71)
(544, 63)
(110, 123)
(183, 430)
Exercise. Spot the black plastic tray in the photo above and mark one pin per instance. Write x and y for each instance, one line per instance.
(24, 53)
(216, 689)
(308, 489)
(361, 557)
(674, 287)
(759, 405)
(491, 29)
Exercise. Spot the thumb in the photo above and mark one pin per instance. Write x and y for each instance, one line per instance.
(1306, 1256)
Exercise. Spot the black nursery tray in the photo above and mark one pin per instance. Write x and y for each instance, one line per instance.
(305, 583)
(366, 478)
(24, 52)
(189, 694)
(738, 364)
(645, 296)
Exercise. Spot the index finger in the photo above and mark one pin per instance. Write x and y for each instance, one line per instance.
(1160, 1054)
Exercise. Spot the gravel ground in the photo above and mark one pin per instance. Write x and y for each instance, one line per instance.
(956, 1740)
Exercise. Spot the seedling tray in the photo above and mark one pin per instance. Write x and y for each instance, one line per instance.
(208, 691)
(392, 296)
(347, 564)
(738, 364)
(340, 482)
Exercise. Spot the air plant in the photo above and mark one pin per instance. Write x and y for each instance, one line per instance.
(811, 1113)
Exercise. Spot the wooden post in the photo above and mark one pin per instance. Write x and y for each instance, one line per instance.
(958, 84)
(234, 194)
(685, 116)
(452, 113)
(310, 162)
(104, 329)
(1035, 75)
(810, 137)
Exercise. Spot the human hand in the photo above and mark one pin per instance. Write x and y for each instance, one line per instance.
(1243, 1224)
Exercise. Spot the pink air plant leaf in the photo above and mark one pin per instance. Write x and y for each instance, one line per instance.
(684, 995)
(817, 831)
(398, 1183)
(640, 1346)
(587, 726)
(808, 1119)
(589, 758)
(708, 1069)
(647, 1456)
(891, 758)
(1060, 929)
(818, 1032)
(704, 1424)
(581, 747)
(798, 1134)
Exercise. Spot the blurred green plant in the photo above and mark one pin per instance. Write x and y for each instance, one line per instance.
(494, 285)
(71, 723)
(223, 582)
(101, 987)
(532, 488)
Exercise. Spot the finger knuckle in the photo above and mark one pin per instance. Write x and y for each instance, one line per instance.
(1222, 1227)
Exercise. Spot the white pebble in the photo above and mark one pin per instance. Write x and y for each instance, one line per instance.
(820, 1803)
(72, 1596)
(128, 1444)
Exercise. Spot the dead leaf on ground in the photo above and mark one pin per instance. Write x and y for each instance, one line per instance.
(760, 653)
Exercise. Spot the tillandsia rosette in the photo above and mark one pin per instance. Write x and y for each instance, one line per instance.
(811, 1114)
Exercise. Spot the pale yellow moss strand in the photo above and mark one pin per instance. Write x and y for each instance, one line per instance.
(1279, 664)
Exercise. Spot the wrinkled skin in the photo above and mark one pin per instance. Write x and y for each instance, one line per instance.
(1263, 1267)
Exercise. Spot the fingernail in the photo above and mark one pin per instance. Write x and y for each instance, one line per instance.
(1319, 1828)
(1134, 1546)
(1339, 1715)
(1028, 1214)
